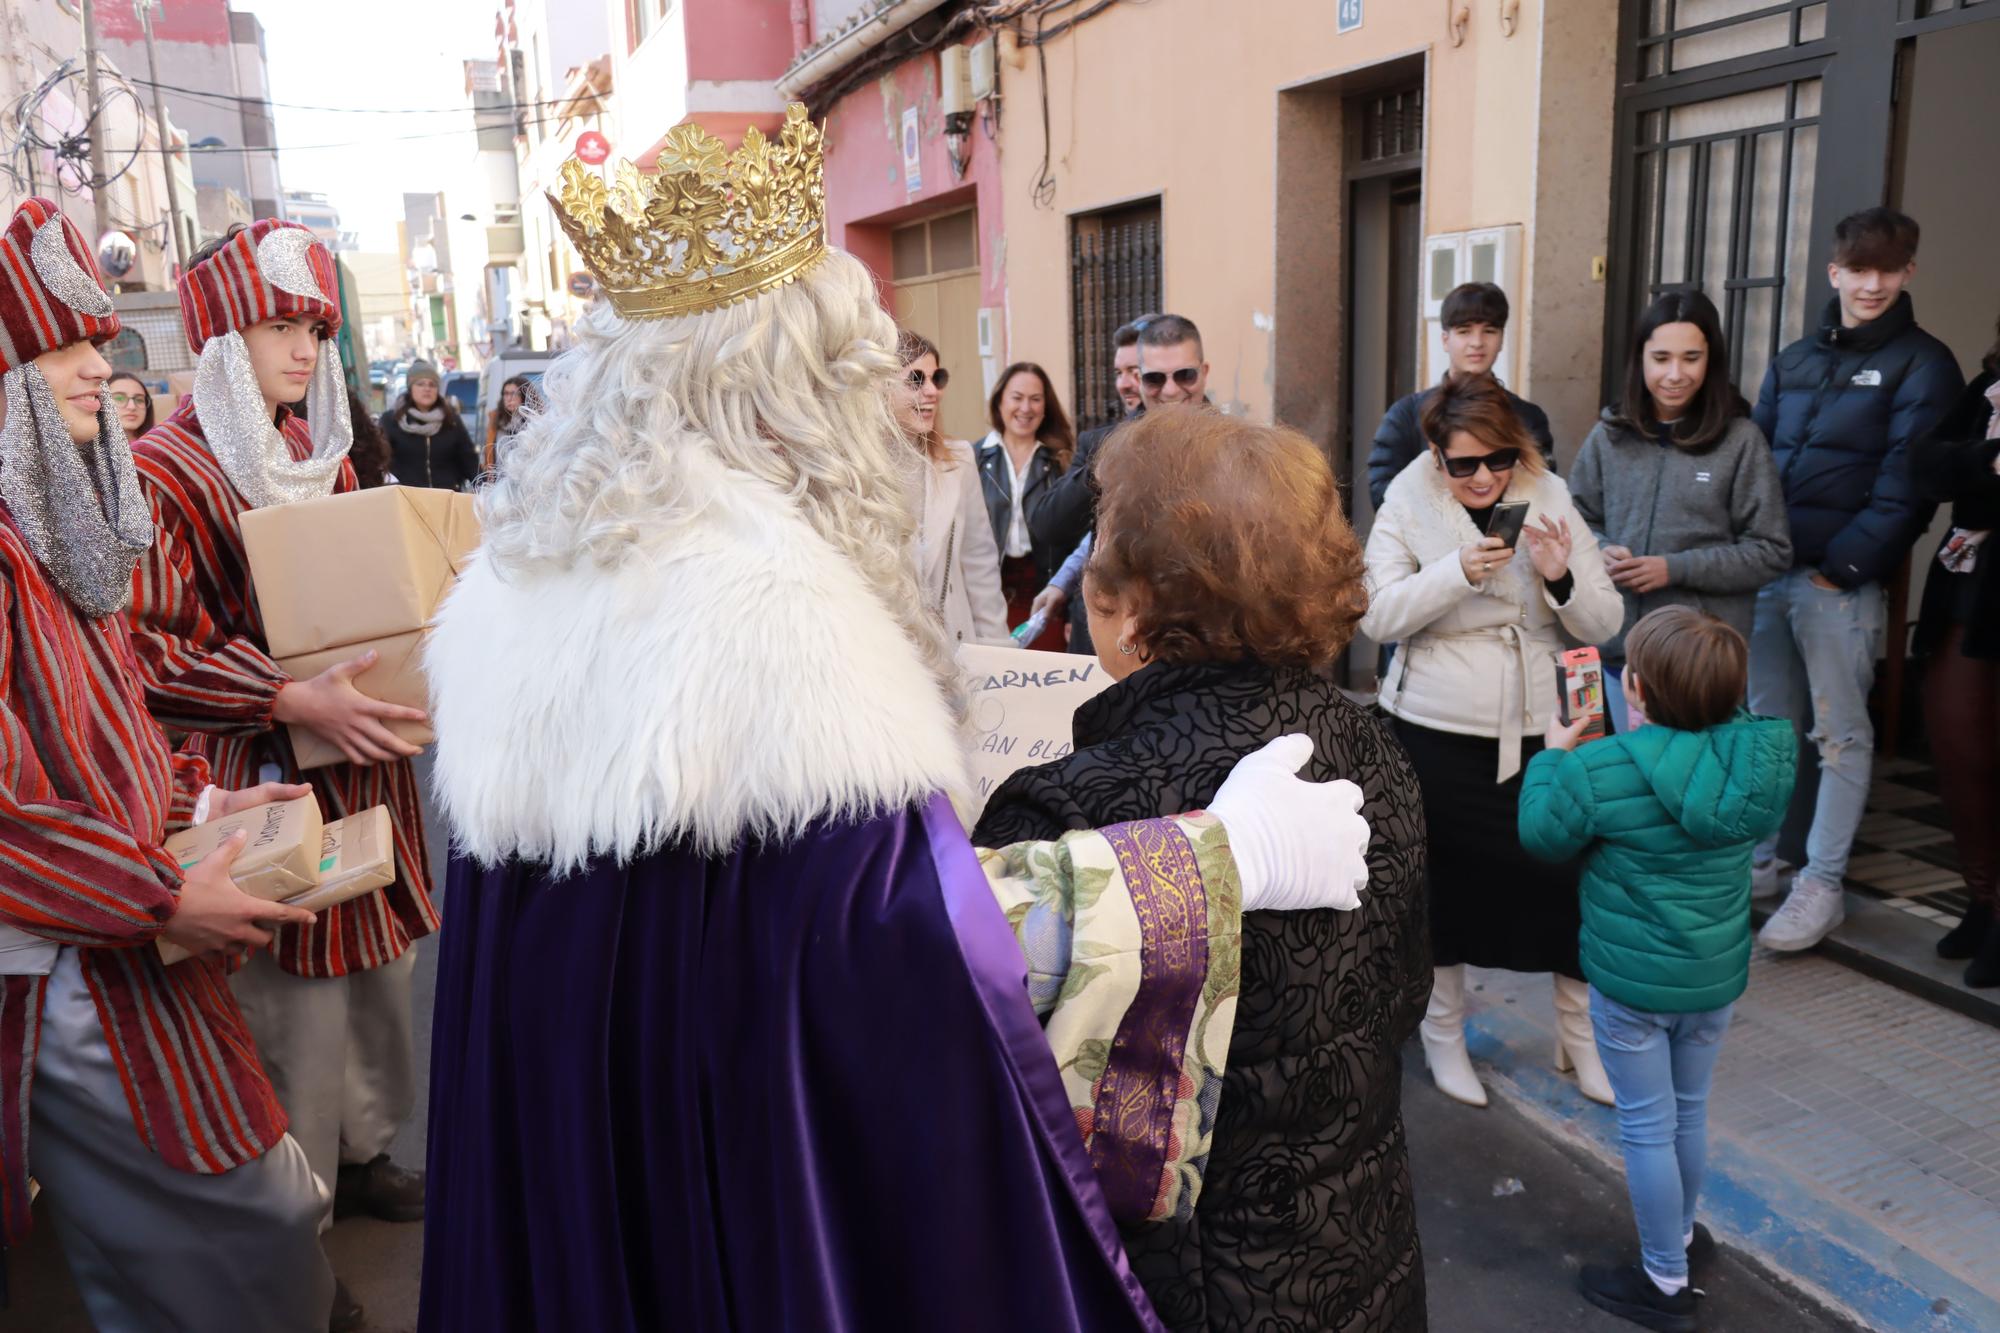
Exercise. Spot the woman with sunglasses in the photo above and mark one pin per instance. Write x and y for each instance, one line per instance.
(132, 401)
(958, 562)
(1470, 692)
(1678, 485)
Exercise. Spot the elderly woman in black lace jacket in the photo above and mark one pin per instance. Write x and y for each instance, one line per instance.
(1224, 582)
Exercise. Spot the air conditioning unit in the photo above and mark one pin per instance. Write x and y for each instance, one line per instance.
(985, 68)
(955, 73)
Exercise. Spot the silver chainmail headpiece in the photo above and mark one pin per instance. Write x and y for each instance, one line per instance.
(245, 440)
(78, 507)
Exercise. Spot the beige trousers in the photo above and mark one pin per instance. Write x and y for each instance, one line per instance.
(341, 1054)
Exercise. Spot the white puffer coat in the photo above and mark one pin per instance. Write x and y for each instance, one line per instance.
(1478, 661)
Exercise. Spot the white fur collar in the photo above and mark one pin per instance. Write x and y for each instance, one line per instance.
(1441, 525)
(741, 681)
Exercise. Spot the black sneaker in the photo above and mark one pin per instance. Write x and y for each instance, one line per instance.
(347, 1316)
(1701, 1249)
(381, 1189)
(1628, 1293)
(1983, 972)
(1962, 941)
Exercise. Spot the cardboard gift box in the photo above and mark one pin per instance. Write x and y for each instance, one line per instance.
(281, 858)
(342, 574)
(397, 677)
(355, 855)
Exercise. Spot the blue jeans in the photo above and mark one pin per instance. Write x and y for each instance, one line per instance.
(1812, 660)
(1660, 1066)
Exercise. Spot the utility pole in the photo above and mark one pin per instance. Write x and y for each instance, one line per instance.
(166, 141)
(93, 95)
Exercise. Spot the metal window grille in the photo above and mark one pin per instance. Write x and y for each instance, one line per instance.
(1722, 199)
(1114, 273)
(1681, 35)
(1923, 9)
(1392, 125)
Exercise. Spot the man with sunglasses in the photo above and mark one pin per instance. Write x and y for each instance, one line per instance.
(1167, 367)
(1474, 316)
(1172, 368)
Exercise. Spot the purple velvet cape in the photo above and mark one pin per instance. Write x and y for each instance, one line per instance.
(799, 1087)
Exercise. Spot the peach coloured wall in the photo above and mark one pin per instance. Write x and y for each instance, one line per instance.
(1181, 100)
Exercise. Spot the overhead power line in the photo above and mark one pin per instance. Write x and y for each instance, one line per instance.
(260, 102)
(354, 143)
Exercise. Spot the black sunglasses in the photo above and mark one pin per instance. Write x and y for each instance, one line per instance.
(1156, 380)
(1500, 460)
(939, 377)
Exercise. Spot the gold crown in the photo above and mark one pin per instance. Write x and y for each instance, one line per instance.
(706, 228)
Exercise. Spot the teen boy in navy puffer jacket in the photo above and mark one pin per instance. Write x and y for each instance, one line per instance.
(1841, 409)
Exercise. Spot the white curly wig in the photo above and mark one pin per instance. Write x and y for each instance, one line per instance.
(789, 387)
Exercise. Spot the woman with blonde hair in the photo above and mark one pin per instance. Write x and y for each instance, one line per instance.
(1480, 624)
(958, 562)
(731, 1029)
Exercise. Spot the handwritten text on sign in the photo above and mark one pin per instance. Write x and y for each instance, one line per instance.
(1022, 704)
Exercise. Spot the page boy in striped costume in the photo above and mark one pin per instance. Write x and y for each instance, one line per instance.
(330, 1003)
(129, 1088)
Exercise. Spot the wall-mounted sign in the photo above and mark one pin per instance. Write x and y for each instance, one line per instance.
(581, 283)
(592, 148)
(1349, 17)
(913, 163)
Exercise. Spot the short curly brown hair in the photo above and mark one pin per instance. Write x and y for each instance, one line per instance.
(1228, 539)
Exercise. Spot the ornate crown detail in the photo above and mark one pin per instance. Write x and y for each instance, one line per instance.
(706, 229)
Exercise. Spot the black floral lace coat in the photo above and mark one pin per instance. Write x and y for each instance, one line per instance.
(1306, 1219)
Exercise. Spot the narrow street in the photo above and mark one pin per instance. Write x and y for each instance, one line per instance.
(1501, 1257)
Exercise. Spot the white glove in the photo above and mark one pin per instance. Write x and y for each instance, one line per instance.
(1297, 844)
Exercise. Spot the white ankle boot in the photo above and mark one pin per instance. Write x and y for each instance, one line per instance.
(1443, 1031)
(1576, 1044)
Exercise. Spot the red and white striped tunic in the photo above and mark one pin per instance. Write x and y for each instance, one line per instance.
(200, 642)
(88, 789)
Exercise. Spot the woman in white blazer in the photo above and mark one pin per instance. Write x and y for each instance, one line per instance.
(958, 562)
(1470, 690)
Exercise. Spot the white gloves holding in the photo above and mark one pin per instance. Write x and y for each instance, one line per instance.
(1297, 844)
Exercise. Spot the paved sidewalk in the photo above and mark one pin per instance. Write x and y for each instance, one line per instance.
(1854, 1132)
(1509, 1212)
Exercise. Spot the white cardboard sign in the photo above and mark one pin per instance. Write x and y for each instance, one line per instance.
(1022, 706)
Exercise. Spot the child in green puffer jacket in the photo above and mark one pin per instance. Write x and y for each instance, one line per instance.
(1666, 817)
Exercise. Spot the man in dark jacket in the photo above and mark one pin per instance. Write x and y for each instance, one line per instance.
(1169, 366)
(1841, 409)
(1475, 329)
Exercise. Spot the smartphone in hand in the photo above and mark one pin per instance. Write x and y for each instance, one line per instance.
(1509, 517)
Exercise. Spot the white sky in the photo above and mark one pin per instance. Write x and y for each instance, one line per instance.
(372, 54)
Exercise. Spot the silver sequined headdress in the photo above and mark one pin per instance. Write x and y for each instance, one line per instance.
(78, 506)
(273, 270)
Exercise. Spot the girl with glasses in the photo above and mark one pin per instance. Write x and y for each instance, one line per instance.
(958, 562)
(133, 403)
(1469, 692)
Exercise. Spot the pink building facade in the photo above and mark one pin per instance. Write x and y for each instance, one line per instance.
(930, 228)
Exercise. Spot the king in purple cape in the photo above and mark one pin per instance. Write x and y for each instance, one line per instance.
(733, 1027)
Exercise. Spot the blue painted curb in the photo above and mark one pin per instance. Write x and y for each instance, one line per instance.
(1812, 1242)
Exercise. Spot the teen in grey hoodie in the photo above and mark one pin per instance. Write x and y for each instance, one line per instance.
(1678, 483)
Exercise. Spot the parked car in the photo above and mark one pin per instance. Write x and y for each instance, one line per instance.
(463, 386)
(503, 367)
